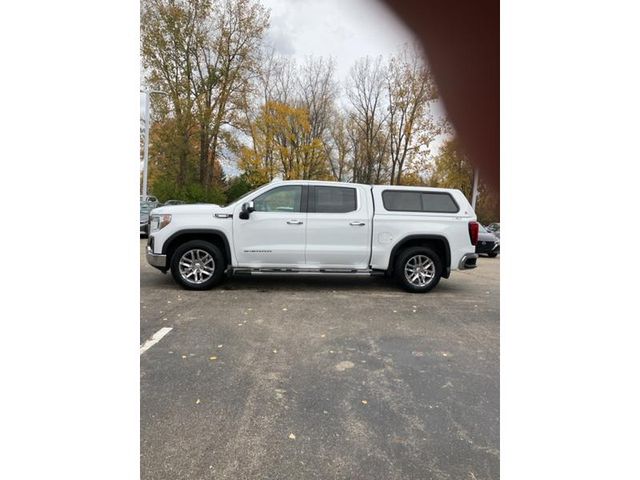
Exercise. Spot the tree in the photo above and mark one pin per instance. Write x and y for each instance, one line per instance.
(238, 186)
(453, 170)
(410, 90)
(226, 55)
(365, 92)
(338, 148)
(282, 146)
(169, 29)
(202, 53)
(318, 91)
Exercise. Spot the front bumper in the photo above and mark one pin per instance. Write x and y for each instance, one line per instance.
(155, 259)
(468, 261)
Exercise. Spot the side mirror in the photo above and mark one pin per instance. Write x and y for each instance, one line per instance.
(247, 208)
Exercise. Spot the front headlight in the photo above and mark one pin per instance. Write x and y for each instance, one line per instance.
(158, 222)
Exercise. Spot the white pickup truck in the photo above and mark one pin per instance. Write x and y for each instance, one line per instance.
(414, 234)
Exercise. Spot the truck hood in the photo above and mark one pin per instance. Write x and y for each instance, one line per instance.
(197, 208)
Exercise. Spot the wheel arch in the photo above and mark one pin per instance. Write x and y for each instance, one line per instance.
(438, 243)
(216, 237)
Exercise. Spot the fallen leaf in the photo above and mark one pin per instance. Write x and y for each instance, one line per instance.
(184, 356)
(284, 309)
(275, 351)
(213, 357)
(342, 366)
(292, 436)
(219, 346)
(364, 402)
(197, 401)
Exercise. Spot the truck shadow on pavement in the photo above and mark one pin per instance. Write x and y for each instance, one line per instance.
(299, 282)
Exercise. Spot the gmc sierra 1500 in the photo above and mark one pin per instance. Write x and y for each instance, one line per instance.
(415, 234)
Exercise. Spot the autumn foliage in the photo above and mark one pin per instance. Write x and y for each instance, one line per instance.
(230, 104)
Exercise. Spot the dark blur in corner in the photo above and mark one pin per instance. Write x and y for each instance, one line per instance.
(462, 43)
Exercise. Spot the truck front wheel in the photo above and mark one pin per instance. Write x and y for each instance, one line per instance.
(418, 269)
(197, 265)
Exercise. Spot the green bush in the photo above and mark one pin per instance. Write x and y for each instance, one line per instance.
(165, 189)
(238, 186)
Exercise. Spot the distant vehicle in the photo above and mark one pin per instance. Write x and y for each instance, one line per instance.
(488, 243)
(145, 210)
(494, 228)
(150, 199)
(168, 203)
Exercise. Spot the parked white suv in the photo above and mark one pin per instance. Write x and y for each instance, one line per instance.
(415, 234)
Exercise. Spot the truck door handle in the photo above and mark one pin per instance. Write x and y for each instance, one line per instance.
(294, 222)
(357, 224)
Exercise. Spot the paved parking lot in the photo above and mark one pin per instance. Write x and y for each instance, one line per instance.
(296, 377)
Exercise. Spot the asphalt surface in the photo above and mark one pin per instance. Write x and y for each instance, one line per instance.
(321, 377)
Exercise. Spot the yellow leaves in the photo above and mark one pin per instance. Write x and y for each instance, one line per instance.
(283, 145)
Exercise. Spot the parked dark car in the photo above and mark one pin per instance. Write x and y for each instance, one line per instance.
(488, 243)
(494, 228)
(145, 209)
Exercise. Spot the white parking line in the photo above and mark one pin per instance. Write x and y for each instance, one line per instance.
(155, 338)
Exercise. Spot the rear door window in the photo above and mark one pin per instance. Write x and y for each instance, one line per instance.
(333, 200)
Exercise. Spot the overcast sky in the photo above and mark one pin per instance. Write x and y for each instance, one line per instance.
(343, 29)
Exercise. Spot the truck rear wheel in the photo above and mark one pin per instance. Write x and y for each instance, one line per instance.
(418, 269)
(198, 265)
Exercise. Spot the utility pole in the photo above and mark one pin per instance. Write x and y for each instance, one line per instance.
(474, 193)
(145, 161)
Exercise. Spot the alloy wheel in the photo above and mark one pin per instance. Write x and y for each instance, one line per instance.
(196, 266)
(419, 270)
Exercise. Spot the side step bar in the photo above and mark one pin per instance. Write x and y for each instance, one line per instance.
(250, 271)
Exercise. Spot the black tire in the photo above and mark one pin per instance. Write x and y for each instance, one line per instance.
(405, 256)
(199, 245)
(493, 255)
